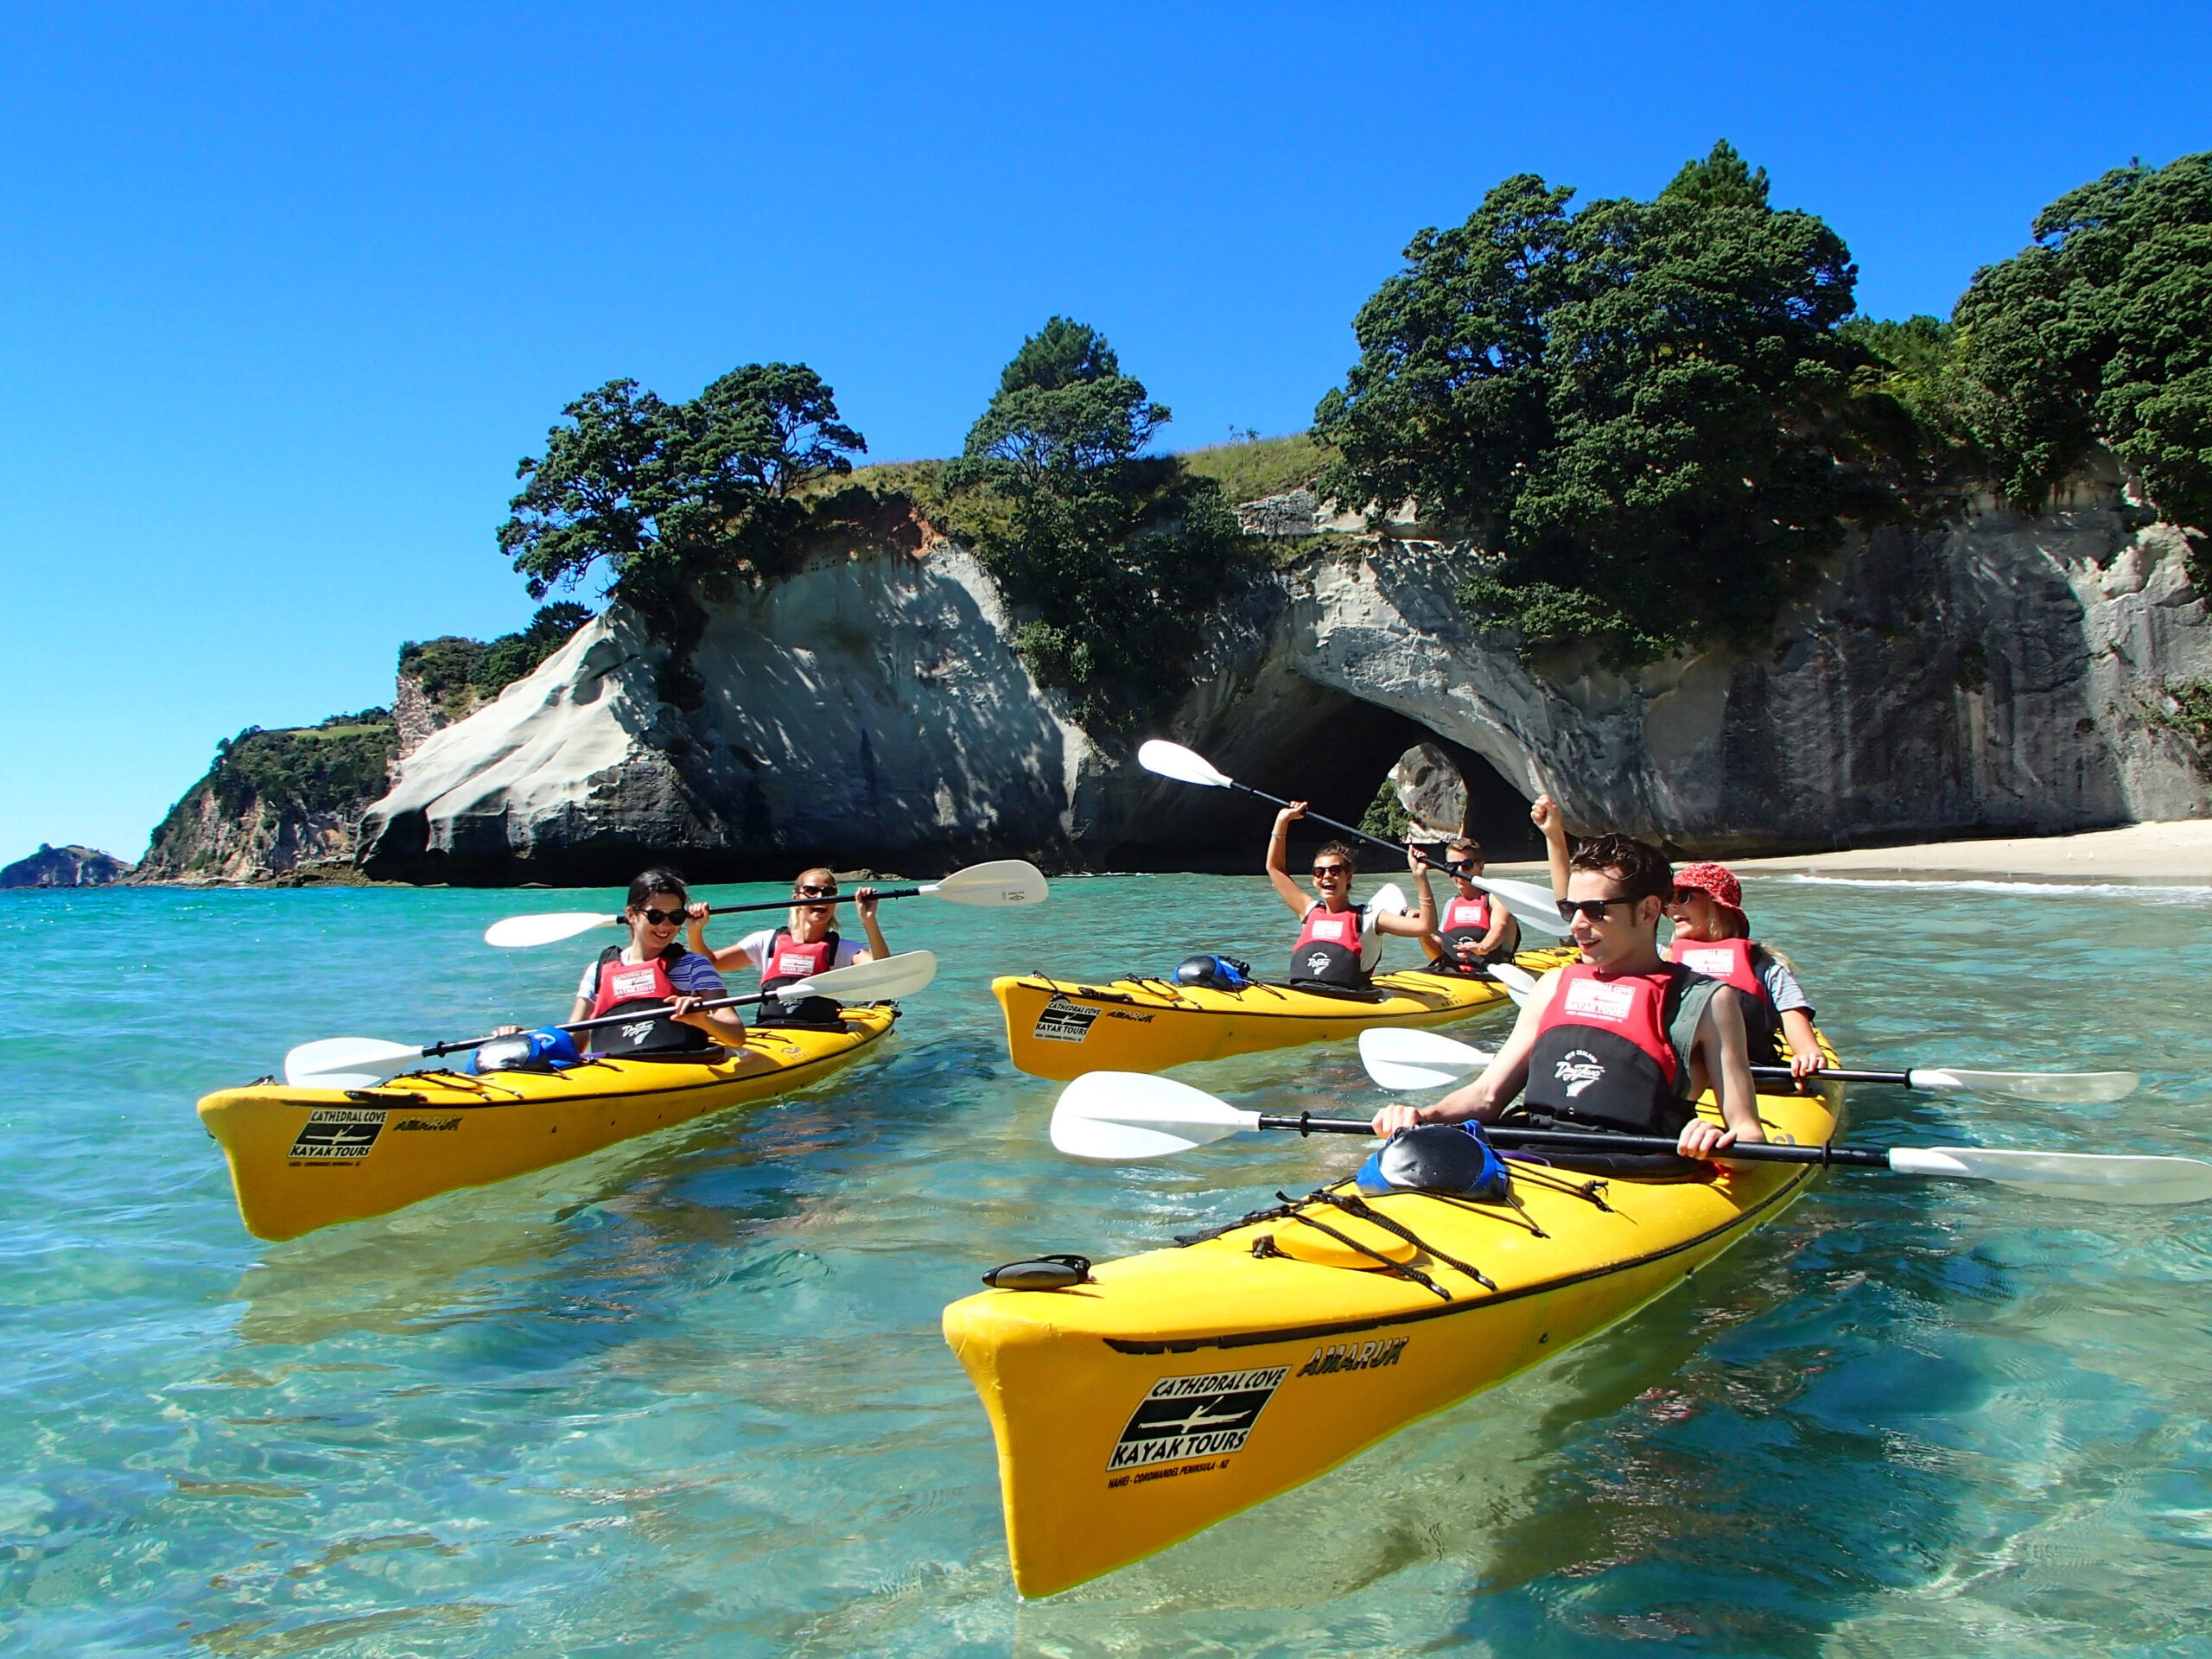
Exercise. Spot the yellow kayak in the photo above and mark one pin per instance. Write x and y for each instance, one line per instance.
(1182, 1386)
(307, 1158)
(1062, 1028)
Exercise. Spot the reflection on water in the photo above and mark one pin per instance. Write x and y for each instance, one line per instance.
(688, 1394)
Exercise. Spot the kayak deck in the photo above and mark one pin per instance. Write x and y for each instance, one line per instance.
(1062, 1028)
(301, 1158)
(1184, 1385)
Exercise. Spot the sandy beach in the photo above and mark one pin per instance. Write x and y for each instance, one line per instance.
(2177, 851)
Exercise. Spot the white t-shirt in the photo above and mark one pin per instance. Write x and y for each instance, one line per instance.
(755, 946)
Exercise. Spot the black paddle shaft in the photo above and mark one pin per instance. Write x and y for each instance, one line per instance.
(1750, 1151)
(788, 904)
(611, 1020)
(1387, 846)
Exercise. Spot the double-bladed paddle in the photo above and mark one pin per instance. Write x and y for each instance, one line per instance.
(1428, 1060)
(1122, 1116)
(363, 1062)
(997, 886)
(1535, 906)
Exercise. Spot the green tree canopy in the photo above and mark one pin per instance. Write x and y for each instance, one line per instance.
(2101, 334)
(661, 491)
(1644, 411)
(1116, 555)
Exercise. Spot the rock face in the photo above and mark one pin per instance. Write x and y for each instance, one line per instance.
(64, 866)
(277, 806)
(2000, 674)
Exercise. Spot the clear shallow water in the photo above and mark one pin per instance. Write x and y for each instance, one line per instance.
(689, 1395)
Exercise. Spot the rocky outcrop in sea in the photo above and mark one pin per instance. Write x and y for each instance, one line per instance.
(1998, 673)
(64, 866)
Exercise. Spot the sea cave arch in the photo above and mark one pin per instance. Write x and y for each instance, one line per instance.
(1307, 740)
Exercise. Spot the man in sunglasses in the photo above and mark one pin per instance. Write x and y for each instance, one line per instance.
(806, 944)
(654, 970)
(1624, 1040)
(1338, 942)
(1474, 930)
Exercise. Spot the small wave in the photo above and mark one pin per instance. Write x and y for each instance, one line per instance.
(2016, 885)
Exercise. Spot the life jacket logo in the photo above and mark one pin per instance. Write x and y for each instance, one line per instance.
(1333, 927)
(632, 982)
(337, 1134)
(635, 1033)
(1610, 1003)
(1577, 1068)
(1318, 963)
(794, 963)
(1713, 964)
(1195, 1416)
(1063, 1021)
(1354, 1357)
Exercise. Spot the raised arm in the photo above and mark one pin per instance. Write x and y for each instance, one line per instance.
(1278, 868)
(877, 950)
(1545, 815)
(1421, 926)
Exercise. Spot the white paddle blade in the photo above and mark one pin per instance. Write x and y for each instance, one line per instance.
(893, 977)
(1174, 760)
(2100, 1178)
(997, 886)
(2061, 1088)
(549, 929)
(1391, 901)
(348, 1063)
(1121, 1117)
(1399, 1059)
(1518, 981)
(1533, 907)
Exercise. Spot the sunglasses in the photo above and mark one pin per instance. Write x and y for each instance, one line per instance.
(1455, 865)
(1323, 870)
(1591, 910)
(814, 892)
(662, 918)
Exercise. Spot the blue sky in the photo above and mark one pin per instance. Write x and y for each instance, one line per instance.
(284, 291)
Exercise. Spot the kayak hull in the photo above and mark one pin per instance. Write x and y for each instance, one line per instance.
(1185, 1385)
(1062, 1028)
(301, 1158)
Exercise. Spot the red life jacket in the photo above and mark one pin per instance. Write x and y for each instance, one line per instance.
(1612, 1051)
(790, 962)
(1463, 926)
(1735, 963)
(1332, 948)
(622, 986)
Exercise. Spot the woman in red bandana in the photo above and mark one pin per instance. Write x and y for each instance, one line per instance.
(1712, 936)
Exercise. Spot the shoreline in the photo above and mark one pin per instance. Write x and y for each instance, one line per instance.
(2175, 851)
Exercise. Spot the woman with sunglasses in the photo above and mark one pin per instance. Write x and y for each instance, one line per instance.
(1474, 930)
(654, 970)
(807, 943)
(1337, 943)
(1712, 936)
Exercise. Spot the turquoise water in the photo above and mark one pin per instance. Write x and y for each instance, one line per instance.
(689, 1395)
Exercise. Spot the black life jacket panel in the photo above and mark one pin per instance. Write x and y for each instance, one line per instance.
(622, 986)
(1612, 1051)
(1332, 948)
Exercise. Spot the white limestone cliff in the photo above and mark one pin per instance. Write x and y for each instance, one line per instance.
(1999, 674)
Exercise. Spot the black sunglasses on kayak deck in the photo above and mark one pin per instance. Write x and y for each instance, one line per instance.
(1593, 910)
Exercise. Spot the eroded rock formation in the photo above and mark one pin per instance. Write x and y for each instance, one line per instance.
(2000, 674)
